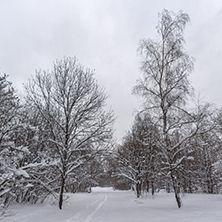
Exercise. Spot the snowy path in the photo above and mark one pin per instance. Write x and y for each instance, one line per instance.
(80, 207)
(91, 209)
(106, 205)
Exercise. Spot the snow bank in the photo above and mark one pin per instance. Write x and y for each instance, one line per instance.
(102, 189)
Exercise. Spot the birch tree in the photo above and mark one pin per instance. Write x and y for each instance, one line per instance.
(165, 86)
(72, 105)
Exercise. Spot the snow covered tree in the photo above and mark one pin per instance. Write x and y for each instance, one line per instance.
(166, 88)
(86, 176)
(138, 157)
(37, 161)
(130, 162)
(210, 153)
(147, 135)
(71, 104)
(21, 168)
(10, 153)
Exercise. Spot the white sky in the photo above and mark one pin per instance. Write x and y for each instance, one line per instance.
(104, 35)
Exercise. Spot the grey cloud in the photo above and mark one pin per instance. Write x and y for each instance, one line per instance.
(104, 35)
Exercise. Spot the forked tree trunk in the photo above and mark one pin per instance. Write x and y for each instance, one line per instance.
(61, 193)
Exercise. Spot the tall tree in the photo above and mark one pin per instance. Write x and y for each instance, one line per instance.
(166, 88)
(71, 104)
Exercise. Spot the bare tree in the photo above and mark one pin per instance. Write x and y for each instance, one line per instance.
(166, 88)
(71, 103)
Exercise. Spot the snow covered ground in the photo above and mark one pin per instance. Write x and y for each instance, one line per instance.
(106, 205)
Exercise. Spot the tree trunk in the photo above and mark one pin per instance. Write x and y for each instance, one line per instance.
(168, 186)
(176, 192)
(152, 187)
(138, 189)
(178, 199)
(61, 193)
(210, 185)
(147, 186)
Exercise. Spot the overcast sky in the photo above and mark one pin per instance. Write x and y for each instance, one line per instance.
(104, 35)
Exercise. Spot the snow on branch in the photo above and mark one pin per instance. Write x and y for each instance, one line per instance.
(126, 176)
